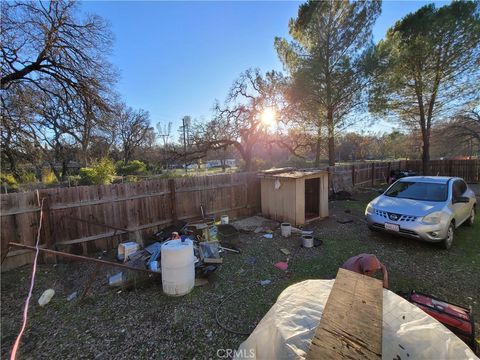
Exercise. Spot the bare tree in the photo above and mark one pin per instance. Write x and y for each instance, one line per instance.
(459, 136)
(53, 57)
(133, 130)
(18, 142)
(238, 123)
(164, 132)
(46, 41)
(466, 125)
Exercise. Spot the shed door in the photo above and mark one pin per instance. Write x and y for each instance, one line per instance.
(312, 198)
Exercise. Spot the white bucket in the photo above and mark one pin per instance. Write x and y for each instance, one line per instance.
(224, 219)
(178, 267)
(286, 229)
(307, 241)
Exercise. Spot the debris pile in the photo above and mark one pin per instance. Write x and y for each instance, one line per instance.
(207, 249)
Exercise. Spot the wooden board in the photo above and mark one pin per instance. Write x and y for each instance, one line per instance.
(351, 323)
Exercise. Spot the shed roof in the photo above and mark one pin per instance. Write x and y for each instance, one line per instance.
(290, 173)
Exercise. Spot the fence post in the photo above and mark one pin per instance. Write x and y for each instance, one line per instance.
(47, 234)
(173, 200)
(353, 175)
(373, 174)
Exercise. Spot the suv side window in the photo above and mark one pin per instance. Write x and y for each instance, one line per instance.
(459, 187)
(456, 188)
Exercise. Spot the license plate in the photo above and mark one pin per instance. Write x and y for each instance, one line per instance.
(393, 227)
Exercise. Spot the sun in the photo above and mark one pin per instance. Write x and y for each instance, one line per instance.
(268, 117)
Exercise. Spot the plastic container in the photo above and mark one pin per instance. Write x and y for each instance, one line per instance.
(178, 267)
(46, 297)
(154, 266)
(224, 219)
(116, 280)
(286, 229)
(307, 241)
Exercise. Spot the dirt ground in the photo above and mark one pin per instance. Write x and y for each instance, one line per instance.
(141, 322)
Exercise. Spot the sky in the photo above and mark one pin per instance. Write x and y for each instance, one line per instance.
(176, 58)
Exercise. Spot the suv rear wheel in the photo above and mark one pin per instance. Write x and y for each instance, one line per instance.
(447, 242)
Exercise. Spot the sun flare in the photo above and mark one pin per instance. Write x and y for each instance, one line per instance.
(268, 116)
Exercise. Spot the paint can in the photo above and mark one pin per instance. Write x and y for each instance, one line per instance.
(286, 229)
(307, 241)
(224, 219)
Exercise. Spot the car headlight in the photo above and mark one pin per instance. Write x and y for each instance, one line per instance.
(432, 218)
(369, 209)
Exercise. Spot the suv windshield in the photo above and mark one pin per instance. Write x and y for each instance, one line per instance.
(418, 191)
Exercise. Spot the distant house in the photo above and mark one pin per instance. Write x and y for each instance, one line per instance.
(218, 163)
(460, 157)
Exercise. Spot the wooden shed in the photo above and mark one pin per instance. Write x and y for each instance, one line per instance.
(294, 196)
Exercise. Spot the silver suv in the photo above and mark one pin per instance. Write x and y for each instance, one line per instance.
(428, 208)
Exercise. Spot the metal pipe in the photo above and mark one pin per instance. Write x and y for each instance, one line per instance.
(80, 257)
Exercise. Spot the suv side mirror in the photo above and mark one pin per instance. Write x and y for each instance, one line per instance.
(461, 199)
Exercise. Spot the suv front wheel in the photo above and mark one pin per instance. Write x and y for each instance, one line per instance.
(447, 242)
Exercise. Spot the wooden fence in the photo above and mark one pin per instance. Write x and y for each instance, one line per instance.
(74, 218)
(346, 177)
(86, 218)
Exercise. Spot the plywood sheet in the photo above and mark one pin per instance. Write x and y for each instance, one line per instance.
(351, 324)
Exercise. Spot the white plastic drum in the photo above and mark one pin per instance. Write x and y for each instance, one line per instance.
(286, 229)
(178, 267)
